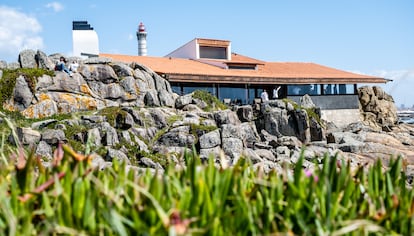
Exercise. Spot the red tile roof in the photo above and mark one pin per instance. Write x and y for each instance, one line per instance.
(187, 70)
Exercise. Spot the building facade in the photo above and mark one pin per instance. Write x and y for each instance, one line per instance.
(209, 64)
(85, 39)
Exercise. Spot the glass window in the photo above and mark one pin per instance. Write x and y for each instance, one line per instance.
(176, 89)
(302, 89)
(213, 52)
(237, 95)
(338, 89)
(190, 89)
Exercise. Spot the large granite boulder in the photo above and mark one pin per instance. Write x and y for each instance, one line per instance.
(377, 108)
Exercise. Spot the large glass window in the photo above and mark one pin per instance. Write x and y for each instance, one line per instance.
(213, 52)
(302, 89)
(190, 89)
(329, 89)
(236, 94)
(176, 88)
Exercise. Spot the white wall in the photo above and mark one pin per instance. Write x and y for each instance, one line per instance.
(188, 50)
(85, 41)
(341, 117)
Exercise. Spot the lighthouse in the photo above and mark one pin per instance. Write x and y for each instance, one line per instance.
(142, 40)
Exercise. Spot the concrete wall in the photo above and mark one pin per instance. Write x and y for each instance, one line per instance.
(85, 41)
(328, 102)
(188, 50)
(342, 110)
(341, 117)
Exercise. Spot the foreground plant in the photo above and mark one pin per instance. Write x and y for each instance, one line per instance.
(72, 197)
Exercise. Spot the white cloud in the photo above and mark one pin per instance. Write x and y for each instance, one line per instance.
(56, 6)
(18, 31)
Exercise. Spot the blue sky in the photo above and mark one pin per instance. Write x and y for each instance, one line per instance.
(374, 37)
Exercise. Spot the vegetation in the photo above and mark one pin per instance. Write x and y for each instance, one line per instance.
(71, 197)
(312, 112)
(8, 80)
(213, 103)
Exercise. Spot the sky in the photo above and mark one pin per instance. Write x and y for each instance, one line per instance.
(373, 37)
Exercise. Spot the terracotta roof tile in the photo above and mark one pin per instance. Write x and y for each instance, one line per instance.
(267, 72)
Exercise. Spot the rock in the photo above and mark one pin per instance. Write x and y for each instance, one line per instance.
(43, 61)
(249, 134)
(226, 117)
(98, 72)
(317, 132)
(151, 99)
(159, 118)
(245, 113)
(177, 139)
(282, 154)
(27, 59)
(43, 108)
(145, 161)
(166, 98)
(214, 152)
(43, 83)
(122, 70)
(97, 60)
(265, 154)
(306, 102)
(93, 119)
(182, 101)
(22, 95)
(124, 120)
(116, 154)
(378, 108)
(267, 167)
(110, 136)
(94, 137)
(210, 139)
(302, 121)
(26, 136)
(53, 136)
(62, 82)
(277, 122)
(44, 150)
(129, 85)
(233, 147)
(42, 124)
(290, 141)
(230, 131)
(251, 155)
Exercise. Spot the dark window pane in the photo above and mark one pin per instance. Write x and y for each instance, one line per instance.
(213, 52)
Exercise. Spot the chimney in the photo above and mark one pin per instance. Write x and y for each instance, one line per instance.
(142, 40)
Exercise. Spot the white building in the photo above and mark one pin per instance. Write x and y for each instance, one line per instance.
(85, 39)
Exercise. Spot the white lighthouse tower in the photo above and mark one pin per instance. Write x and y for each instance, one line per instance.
(142, 40)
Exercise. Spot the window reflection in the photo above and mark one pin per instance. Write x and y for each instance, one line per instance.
(237, 95)
(302, 89)
(330, 89)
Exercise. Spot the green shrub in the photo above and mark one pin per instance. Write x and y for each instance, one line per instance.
(8, 81)
(213, 103)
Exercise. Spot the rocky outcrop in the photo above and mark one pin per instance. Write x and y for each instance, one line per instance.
(133, 116)
(377, 108)
(98, 83)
